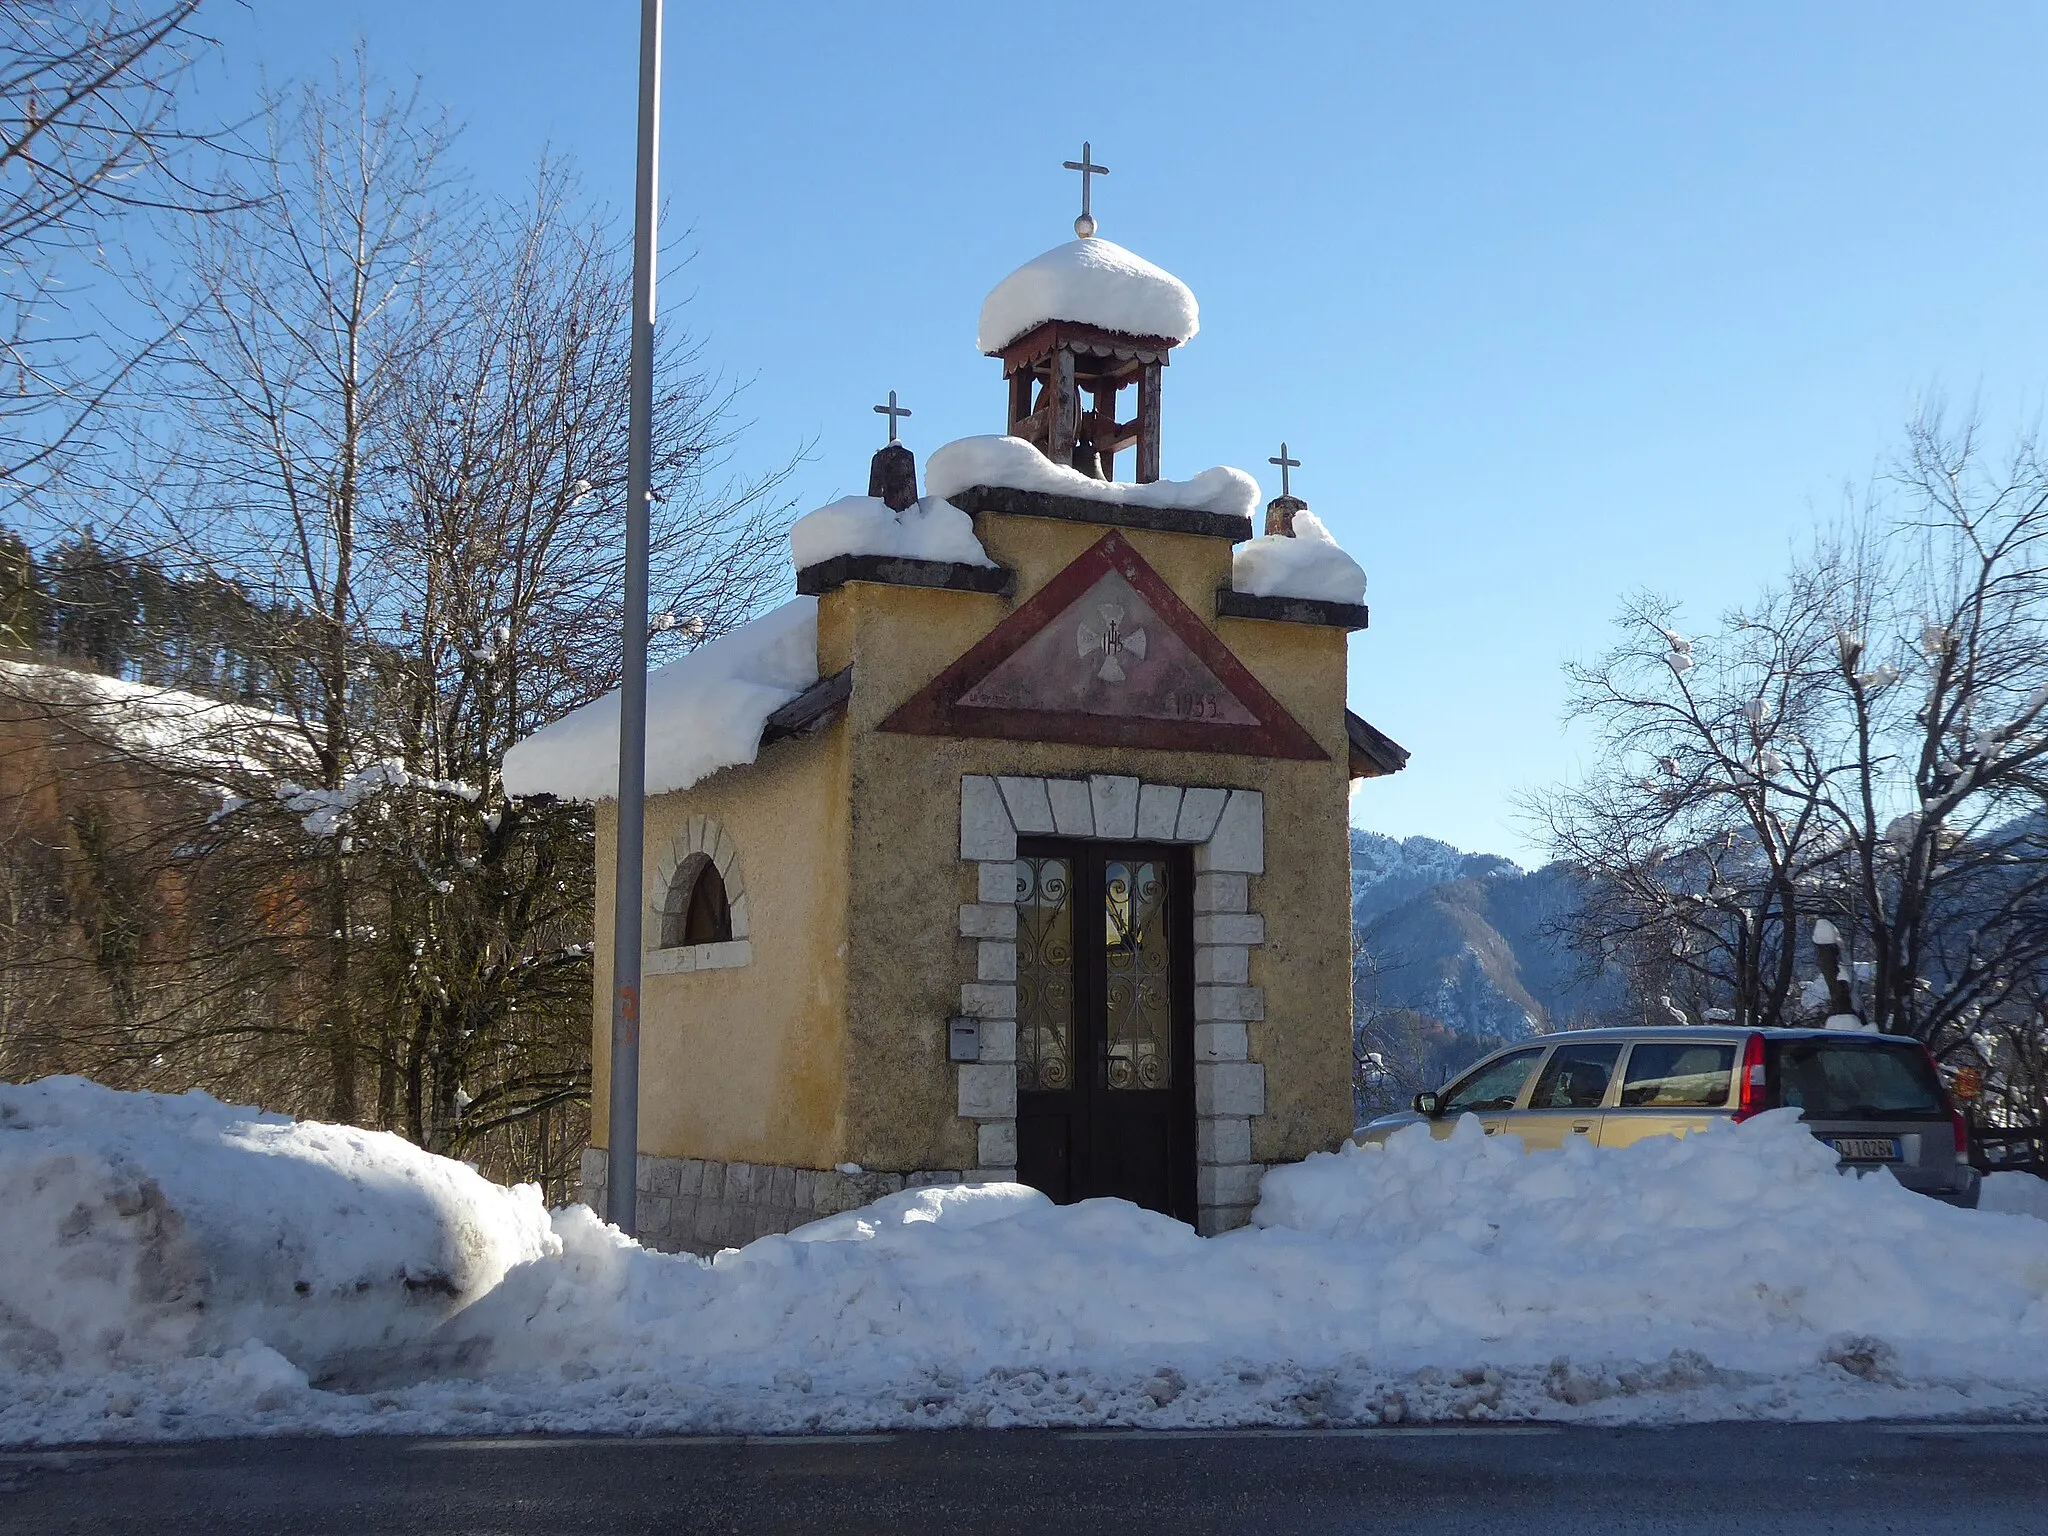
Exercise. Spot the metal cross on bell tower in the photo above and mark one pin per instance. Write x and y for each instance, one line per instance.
(892, 410)
(1084, 226)
(1283, 461)
(1065, 375)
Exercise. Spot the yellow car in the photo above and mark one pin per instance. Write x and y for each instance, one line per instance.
(1878, 1100)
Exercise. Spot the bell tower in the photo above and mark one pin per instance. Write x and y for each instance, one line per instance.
(1076, 328)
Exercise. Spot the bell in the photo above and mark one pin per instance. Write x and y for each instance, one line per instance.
(1084, 457)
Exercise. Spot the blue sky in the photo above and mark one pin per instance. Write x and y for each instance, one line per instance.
(1555, 301)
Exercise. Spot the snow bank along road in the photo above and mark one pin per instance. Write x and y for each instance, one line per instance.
(177, 1268)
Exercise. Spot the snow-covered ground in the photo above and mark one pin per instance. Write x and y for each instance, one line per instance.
(178, 730)
(175, 1267)
(2016, 1192)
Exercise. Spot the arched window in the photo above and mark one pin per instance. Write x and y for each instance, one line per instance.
(697, 904)
(696, 910)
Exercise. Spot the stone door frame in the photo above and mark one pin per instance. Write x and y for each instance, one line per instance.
(1226, 829)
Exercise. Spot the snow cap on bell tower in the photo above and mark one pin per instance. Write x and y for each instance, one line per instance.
(1087, 318)
(1092, 282)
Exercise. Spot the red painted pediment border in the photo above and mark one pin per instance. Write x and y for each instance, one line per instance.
(935, 709)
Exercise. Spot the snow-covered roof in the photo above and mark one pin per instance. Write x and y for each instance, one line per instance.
(1090, 282)
(932, 529)
(1012, 462)
(185, 732)
(704, 712)
(1311, 564)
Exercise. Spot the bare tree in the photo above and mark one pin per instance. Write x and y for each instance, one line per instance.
(299, 315)
(1864, 745)
(1944, 811)
(1697, 854)
(388, 521)
(403, 437)
(119, 940)
(505, 474)
(89, 132)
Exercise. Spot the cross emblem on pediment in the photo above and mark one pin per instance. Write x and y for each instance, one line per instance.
(1111, 641)
(1106, 654)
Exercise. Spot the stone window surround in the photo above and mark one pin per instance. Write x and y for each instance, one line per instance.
(1227, 830)
(701, 834)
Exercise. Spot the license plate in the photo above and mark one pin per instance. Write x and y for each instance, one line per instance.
(1866, 1149)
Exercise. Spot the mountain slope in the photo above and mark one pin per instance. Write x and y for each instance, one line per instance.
(1471, 939)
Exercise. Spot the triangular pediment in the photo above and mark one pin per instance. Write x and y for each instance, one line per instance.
(1106, 654)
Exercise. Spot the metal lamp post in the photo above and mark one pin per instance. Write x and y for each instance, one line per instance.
(622, 1153)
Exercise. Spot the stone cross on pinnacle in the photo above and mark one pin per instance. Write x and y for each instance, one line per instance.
(1285, 464)
(1084, 226)
(892, 410)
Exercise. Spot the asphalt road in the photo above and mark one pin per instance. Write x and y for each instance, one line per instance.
(1860, 1480)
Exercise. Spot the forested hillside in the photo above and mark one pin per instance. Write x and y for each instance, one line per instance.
(1473, 940)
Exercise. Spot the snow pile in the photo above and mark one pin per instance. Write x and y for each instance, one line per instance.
(959, 1206)
(1012, 462)
(146, 1230)
(1311, 564)
(2023, 1194)
(704, 713)
(932, 529)
(181, 731)
(1731, 1273)
(1741, 1243)
(1090, 282)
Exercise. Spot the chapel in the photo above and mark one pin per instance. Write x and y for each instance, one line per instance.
(1014, 847)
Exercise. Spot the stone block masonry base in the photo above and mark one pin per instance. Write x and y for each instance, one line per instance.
(691, 1205)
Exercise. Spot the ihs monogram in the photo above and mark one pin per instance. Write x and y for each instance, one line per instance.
(1111, 642)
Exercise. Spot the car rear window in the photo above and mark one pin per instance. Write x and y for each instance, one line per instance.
(1855, 1079)
(1678, 1074)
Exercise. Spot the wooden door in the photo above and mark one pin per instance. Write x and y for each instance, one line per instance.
(1105, 1035)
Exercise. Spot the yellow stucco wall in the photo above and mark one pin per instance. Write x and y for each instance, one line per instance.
(831, 1045)
(746, 1063)
(905, 966)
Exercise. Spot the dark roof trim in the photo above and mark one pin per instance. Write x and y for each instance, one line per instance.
(812, 710)
(1373, 754)
(898, 571)
(1289, 610)
(1111, 514)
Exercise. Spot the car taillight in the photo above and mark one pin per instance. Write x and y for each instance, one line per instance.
(1955, 1114)
(1751, 1098)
